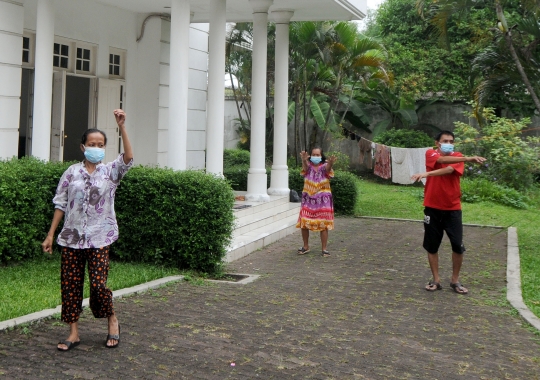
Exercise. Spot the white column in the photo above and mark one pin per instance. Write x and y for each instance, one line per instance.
(178, 84)
(41, 135)
(279, 181)
(256, 190)
(216, 88)
(11, 30)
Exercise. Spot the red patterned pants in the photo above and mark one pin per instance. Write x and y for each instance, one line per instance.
(72, 282)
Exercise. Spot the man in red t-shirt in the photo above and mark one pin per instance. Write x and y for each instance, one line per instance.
(442, 212)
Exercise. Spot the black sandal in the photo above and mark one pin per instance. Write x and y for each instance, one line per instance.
(68, 344)
(458, 288)
(302, 251)
(115, 337)
(325, 253)
(437, 285)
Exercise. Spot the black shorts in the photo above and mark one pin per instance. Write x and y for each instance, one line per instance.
(436, 222)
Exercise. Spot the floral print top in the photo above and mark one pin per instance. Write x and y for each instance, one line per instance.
(88, 203)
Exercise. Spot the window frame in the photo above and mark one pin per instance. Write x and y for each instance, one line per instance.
(122, 66)
(31, 49)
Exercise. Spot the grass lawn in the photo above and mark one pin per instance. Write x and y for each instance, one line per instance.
(395, 201)
(35, 285)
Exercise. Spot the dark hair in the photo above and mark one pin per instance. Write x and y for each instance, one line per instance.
(323, 157)
(441, 133)
(92, 130)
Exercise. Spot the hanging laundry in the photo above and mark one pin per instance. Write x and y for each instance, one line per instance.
(366, 156)
(418, 161)
(383, 165)
(401, 166)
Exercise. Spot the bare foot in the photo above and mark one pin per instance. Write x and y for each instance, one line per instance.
(114, 329)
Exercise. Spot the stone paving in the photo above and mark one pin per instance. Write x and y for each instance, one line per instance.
(361, 314)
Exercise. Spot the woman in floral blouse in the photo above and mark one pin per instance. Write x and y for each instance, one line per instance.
(85, 199)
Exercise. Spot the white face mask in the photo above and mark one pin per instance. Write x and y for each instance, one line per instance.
(94, 155)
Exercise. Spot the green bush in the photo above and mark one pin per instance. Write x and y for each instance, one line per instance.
(343, 185)
(27, 187)
(404, 138)
(512, 160)
(481, 189)
(237, 176)
(235, 157)
(179, 218)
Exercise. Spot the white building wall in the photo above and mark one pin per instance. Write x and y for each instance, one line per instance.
(231, 125)
(198, 68)
(11, 30)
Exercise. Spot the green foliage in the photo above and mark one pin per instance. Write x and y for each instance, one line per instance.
(27, 187)
(233, 157)
(420, 63)
(512, 160)
(480, 189)
(343, 160)
(344, 190)
(404, 138)
(237, 175)
(182, 218)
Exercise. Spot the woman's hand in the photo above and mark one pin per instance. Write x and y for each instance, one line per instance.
(47, 244)
(120, 117)
(331, 160)
(304, 155)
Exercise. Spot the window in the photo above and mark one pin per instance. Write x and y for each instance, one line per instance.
(114, 64)
(83, 59)
(61, 56)
(26, 50)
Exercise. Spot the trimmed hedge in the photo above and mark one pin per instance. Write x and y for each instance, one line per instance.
(234, 157)
(27, 188)
(183, 219)
(343, 185)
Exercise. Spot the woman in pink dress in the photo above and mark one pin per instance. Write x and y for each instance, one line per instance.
(317, 212)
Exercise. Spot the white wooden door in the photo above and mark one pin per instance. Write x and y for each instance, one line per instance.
(58, 116)
(110, 97)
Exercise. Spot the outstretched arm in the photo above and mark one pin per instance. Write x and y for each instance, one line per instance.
(120, 117)
(454, 160)
(444, 171)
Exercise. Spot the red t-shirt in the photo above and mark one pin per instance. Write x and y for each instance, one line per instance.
(443, 192)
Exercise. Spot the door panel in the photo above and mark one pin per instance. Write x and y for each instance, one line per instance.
(109, 99)
(58, 115)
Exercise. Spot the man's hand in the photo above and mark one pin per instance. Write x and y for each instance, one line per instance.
(304, 155)
(331, 160)
(47, 244)
(120, 117)
(419, 176)
(476, 159)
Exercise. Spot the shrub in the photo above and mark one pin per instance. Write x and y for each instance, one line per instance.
(480, 189)
(511, 159)
(343, 185)
(343, 160)
(404, 138)
(183, 219)
(237, 176)
(27, 187)
(235, 157)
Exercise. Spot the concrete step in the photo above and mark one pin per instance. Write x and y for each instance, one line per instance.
(242, 245)
(251, 222)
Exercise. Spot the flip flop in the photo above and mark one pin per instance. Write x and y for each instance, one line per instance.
(69, 345)
(458, 288)
(302, 251)
(325, 253)
(115, 337)
(437, 285)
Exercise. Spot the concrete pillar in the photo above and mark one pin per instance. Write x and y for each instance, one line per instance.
(178, 84)
(11, 30)
(41, 135)
(279, 181)
(216, 88)
(256, 190)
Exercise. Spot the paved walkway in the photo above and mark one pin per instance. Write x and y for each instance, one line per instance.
(361, 314)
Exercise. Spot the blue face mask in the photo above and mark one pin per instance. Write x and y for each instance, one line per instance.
(94, 155)
(447, 148)
(316, 160)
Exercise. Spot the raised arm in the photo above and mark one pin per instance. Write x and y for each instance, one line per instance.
(120, 117)
(330, 162)
(305, 157)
